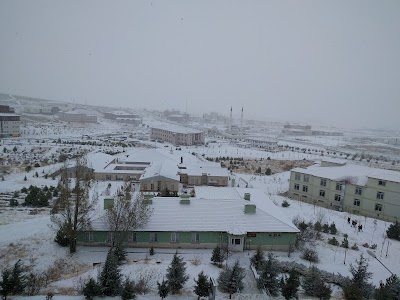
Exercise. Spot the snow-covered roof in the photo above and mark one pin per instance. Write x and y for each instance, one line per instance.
(142, 155)
(167, 169)
(203, 215)
(8, 115)
(198, 170)
(175, 128)
(79, 111)
(334, 160)
(99, 161)
(354, 174)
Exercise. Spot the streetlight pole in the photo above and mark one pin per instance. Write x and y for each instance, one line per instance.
(374, 256)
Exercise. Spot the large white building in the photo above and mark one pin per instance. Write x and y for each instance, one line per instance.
(177, 135)
(79, 116)
(9, 125)
(262, 143)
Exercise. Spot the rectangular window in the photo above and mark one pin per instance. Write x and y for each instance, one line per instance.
(338, 186)
(110, 236)
(382, 183)
(380, 195)
(358, 191)
(196, 237)
(132, 237)
(108, 177)
(378, 207)
(321, 193)
(323, 182)
(357, 202)
(174, 237)
(338, 197)
(89, 236)
(153, 237)
(305, 188)
(306, 178)
(297, 186)
(152, 186)
(297, 176)
(235, 241)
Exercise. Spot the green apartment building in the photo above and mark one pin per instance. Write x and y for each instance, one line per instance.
(355, 189)
(185, 222)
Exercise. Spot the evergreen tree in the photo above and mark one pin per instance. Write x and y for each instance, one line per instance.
(6, 284)
(202, 288)
(230, 280)
(258, 259)
(268, 171)
(216, 256)
(390, 290)
(176, 274)
(128, 290)
(110, 277)
(359, 283)
(291, 285)
(313, 285)
(269, 276)
(18, 279)
(120, 252)
(332, 228)
(62, 236)
(163, 289)
(91, 289)
(25, 179)
(393, 232)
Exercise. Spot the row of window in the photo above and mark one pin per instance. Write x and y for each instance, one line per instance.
(339, 186)
(379, 195)
(153, 237)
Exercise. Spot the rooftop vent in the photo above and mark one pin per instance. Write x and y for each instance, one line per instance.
(247, 196)
(185, 199)
(249, 208)
(108, 203)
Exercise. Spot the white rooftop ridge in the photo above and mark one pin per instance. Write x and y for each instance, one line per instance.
(175, 128)
(357, 175)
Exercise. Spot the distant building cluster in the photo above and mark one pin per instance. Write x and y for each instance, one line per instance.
(307, 131)
(176, 116)
(9, 122)
(78, 116)
(177, 135)
(123, 117)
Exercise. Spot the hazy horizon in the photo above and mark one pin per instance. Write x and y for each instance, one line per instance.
(333, 63)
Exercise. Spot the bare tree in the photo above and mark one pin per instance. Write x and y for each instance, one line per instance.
(71, 211)
(126, 214)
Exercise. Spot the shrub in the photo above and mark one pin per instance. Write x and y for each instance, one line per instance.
(345, 243)
(354, 247)
(333, 241)
(366, 245)
(318, 226)
(325, 228)
(151, 251)
(285, 203)
(373, 246)
(310, 255)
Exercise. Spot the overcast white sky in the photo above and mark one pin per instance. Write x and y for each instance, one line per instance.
(335, 62)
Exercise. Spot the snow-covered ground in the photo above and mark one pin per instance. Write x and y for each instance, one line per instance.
(30, 236)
